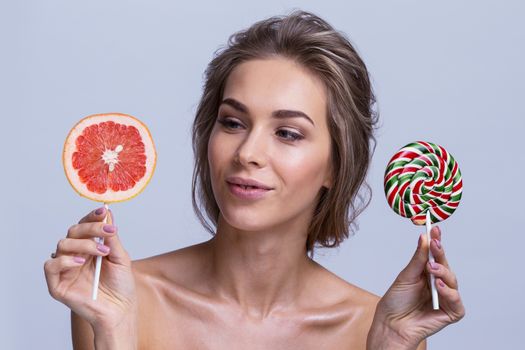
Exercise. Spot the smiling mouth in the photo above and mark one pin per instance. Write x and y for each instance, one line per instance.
(247, 192)
(247, 187)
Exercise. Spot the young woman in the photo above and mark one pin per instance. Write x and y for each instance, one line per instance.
(282, 141)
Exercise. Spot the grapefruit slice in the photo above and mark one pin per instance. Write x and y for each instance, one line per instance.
(109, 157)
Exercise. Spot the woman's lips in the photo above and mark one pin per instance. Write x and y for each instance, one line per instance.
(247, 192)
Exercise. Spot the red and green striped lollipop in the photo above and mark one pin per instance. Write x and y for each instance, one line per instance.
(421, 177)
(423, 183)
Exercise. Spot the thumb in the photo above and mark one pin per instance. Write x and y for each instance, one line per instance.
(412, 272)
(117, 253)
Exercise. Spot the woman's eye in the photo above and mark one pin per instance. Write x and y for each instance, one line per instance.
(229, 123)
(289, 135)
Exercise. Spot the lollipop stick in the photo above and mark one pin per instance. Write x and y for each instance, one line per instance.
(98, 265)
(435, 300)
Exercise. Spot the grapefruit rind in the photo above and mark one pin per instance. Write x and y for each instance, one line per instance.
(109, 196)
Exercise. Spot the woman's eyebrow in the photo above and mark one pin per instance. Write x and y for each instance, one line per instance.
(281, 113)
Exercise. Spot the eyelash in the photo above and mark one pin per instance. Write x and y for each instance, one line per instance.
(229, 123)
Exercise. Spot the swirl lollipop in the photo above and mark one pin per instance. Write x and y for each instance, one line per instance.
(423, 183)
(108, 158)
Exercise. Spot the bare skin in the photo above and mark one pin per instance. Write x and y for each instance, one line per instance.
(252, 286)
(177, 310)
(336, 316)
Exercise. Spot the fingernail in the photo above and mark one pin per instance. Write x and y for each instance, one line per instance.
(434, 266)
(109, 228)
(103, 248)
(441, 283)
(100, 211)
(79, 259)
(438, 243)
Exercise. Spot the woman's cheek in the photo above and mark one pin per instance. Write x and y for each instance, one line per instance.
(214, 158)
(301, 165)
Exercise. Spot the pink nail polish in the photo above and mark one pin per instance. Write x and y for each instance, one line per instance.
(100, 211)
(109, 228)
(79, 259)
(102, 248)
(438, 243)
(441, 283)
(434, 266)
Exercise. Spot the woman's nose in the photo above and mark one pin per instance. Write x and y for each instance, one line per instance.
(252, 150)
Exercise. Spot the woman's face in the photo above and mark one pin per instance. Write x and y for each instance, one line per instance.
(271, 127)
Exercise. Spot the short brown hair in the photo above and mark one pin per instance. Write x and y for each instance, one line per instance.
(313, 43)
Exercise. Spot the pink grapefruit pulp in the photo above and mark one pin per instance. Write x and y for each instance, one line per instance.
(109, 157)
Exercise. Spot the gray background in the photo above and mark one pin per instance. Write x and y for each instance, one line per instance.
(451, 72)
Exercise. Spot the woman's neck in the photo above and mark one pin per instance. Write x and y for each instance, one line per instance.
(260, 271)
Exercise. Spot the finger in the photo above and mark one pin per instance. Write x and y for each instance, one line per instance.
(54, 267)
(91, 230)
(445, 274)
(436, 247)
(96, 215)
(72, 246)
(117, 254)
(111, 218)
(412, 272)
(435, 232)
(450, 301)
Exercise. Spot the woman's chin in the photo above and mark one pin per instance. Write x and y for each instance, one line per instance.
(244, 221)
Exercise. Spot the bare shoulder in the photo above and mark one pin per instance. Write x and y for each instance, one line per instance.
(168, 291)
(357, 307)
(353, 309)
(176, 281)
(178, 268)
(346, 292)
(362, 306)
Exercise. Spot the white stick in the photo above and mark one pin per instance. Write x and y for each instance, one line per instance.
(435, 300)
(98, 265)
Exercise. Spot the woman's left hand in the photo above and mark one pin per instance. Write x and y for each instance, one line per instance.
(404, 316)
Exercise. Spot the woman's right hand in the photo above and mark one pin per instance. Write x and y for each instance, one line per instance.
(70, 274)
